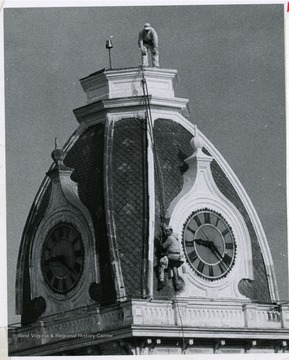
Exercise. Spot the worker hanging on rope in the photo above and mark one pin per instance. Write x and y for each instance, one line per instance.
(171, 259)
(148, 39)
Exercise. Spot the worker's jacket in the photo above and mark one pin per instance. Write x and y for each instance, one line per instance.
(173, 247)
(148, 38)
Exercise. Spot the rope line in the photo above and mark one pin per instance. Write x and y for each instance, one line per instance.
(158, 171)
(182, 326)
(159, 180)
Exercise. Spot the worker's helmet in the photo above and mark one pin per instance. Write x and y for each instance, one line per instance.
(147, 26)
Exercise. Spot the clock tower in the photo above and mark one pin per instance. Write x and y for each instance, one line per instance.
(88, 268)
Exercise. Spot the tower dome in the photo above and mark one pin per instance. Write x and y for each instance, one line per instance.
(92, 248)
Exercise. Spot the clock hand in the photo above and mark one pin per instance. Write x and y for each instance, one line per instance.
(54, 258)
(52, 251)
(61, 259)
(204, 234)
(201, 242)
(217, 253)
(208, 243)
(211, 245)
(215, 249)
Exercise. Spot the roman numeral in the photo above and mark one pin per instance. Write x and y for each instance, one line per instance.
(200, 267)
(72, 277)
(46, 254)
(60, 232)
(49, 274)
(66, 232)
(60, 284)
(46, 263)
(207, 218)
(49, 244)
(55, 283)
(221, 267)
(77, 267)
(191, 230)
(193, 256)
(64, 285)
(227, 259)
(225, 232)
(69, 281)
(189, 243)
(74, 241)
(78, 253)
(53, 238)
(197, 220)
(229, 246)
(211, 271)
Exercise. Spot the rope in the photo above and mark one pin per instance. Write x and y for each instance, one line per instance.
(182, 326)
(158, 171)
(159, 178)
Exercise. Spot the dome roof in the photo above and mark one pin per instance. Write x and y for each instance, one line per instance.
(110, 161)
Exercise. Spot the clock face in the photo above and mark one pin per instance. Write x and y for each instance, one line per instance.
(62, 258)
(209, 244)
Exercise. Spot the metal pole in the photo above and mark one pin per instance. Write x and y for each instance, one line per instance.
(109, 55)
(109, 46)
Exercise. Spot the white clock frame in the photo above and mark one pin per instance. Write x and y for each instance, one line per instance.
(200, 191)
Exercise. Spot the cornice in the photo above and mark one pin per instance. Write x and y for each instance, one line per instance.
(131, 104)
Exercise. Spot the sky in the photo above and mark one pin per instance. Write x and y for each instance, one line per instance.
(230, 63)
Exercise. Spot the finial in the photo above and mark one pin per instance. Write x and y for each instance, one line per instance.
(57, 155)
(197, 142)
(109, 46)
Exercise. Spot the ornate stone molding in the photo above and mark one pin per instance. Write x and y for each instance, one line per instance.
(158, 319)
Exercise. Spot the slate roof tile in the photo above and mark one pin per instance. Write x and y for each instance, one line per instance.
(129, 200)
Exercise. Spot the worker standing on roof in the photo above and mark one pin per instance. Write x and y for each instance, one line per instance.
(148, 39)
